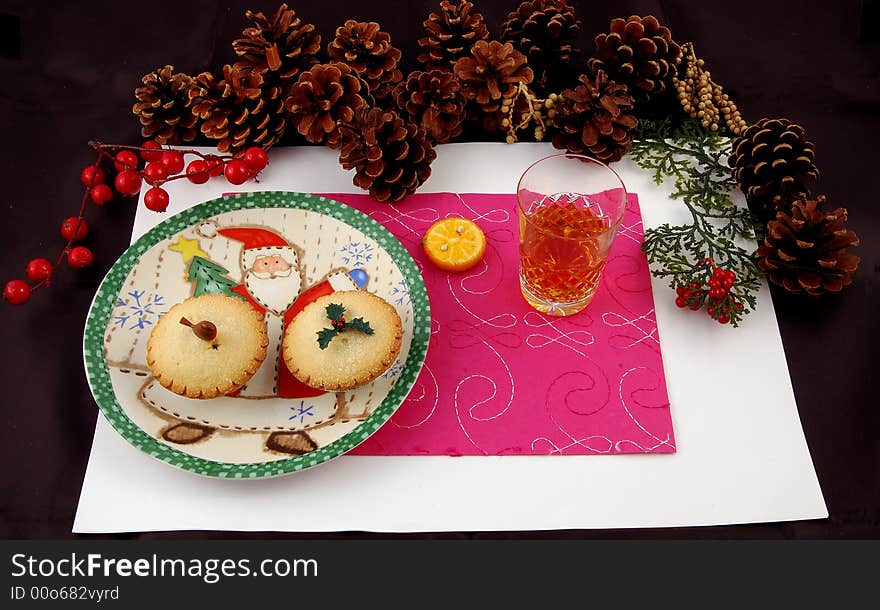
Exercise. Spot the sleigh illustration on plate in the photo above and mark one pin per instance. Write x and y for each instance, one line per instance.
(278, 252)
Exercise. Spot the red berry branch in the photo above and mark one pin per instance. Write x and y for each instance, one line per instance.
(711, 286)
(160, 165)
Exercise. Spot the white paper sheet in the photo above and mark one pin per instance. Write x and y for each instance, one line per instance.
(742, 456)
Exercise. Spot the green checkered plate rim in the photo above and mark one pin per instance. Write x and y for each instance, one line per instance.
(98, 371)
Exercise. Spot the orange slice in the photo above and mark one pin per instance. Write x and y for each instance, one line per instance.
(454, 244)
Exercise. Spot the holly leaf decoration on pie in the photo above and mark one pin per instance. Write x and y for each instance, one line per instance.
(336, 315)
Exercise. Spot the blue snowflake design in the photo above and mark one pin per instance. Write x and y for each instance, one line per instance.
(302, 411)
(400, 293)
(139, 310)
(394, 370)
(357, 253)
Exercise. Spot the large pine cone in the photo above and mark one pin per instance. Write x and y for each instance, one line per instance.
(806, 250)
(238, 111)
(546, 32)
(450, 34)
(772, 162)
(494, 72)
(638, 52)
(434, 101)
(369, 52)
(391, 156)
(322, 98)
(595, 119)
(162, 107)
(280, 48)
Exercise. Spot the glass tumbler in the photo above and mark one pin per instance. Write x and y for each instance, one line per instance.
(570, 207)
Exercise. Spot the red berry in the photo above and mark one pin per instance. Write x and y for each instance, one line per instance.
(714, 282)
(710, 311)
(149, 155)
(256, 158)
(694, 306)
(17, 292)
(215, 164)
(91, 175)
(38, 269)
(680, 301)
(125, 159)
(156, 199)
(237, 171)
(80, 257)
(727, 283)
(723, 319)
(101, 194)
(693, 285)
(197, 172)
(718, 272)
(128, 182)
(70, 230)
(155, 172)
(173, 162)
(731, 275)
(714, 294)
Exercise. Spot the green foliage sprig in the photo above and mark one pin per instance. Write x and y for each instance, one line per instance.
(696, 160)
(336, 314)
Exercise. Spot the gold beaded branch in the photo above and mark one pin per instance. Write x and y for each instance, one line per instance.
(524, 108)
(702, 98)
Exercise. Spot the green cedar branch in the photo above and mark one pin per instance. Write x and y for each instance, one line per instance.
(696, 160)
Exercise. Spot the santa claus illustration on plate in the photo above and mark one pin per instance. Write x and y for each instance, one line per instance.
(273, 283)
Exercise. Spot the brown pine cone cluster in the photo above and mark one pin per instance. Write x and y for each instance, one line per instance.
(595, 119)
(162, 107)
(238, 111)
(450, 34)
(434, 101)
(278, 48)
(546, 32)
(806, 250)
(391, 156)
(368, 51)
(322, 98)
(492, 74)
(638, 52)
(772, 162)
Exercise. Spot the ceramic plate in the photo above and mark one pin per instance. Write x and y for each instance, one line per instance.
(274, 425)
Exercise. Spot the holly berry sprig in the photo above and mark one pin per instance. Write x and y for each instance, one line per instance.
(336, 315)
(160, 166)
(711, 286)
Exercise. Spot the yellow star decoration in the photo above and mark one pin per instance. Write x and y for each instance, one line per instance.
(188, 248)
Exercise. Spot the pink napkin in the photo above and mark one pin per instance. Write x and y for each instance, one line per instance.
(501, 378)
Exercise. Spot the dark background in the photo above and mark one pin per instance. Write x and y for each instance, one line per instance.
(67, 72)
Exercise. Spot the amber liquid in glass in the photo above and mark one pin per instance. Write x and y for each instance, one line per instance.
(562, 252)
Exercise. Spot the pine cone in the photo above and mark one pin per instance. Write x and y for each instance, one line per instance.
(434, 101)
(280, 48)
(322, 98)
(163, 107)
(638, 53)
(369, 52)
(391, 157)
(772, 162)
(546, 32)
(595, 118)
(238, 111)
(450, 34)
(493, 73)
(806, 250)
